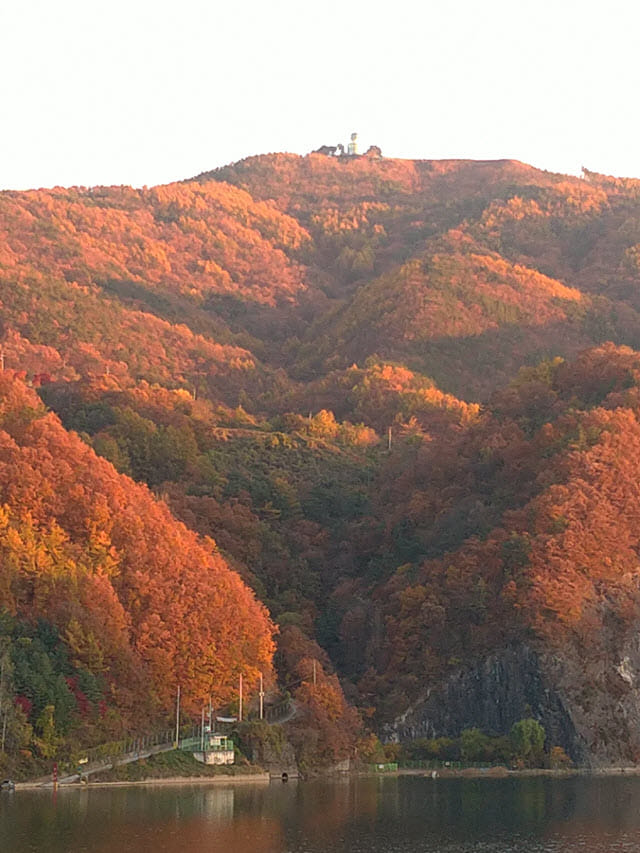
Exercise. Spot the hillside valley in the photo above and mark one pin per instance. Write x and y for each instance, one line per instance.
(366, 427)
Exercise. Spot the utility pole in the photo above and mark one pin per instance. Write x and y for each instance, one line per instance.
(178, 717)
(202, 731)
(261, 698)
(240, 700)
(3, 712)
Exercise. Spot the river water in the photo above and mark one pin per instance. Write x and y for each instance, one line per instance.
(404, 814)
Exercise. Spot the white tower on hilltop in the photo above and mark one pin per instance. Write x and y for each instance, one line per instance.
(352, 148)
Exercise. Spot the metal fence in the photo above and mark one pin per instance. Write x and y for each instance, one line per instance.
(274, 713)
(142, 743)
(438, 764)
(189, 737)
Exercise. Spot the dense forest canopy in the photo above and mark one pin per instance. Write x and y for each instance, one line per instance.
(375, 414)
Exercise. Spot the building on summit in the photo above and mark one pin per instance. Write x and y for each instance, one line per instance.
(373, 152)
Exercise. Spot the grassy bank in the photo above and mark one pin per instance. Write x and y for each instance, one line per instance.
(169, 765)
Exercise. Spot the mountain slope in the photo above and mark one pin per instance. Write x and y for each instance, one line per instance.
(546, 487)
(136, 597)
(381, 387)
(470, 261)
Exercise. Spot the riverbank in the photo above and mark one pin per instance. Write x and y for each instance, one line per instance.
(222, 779)
(166, 767)
(243, 776)
(505, 772)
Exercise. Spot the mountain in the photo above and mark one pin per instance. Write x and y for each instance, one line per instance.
(133, 604)
(529, 526)
(390, 405)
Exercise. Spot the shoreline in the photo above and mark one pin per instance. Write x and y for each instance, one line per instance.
(240, 778)
(265, 777)
(505, 772)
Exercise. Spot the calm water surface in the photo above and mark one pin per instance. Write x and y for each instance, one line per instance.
(394, 815)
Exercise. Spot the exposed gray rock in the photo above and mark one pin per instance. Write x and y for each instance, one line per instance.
(492, 695)
(268, 747)
(600, 685)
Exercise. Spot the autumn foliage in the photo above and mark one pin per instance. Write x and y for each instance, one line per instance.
(394, 403)
(137, 597)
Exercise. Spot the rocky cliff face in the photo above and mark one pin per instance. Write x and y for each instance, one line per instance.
(600, 688)
(268, 747)
(587, 700)
(492, 695)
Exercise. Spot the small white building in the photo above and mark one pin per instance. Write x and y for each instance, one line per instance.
(218, 749)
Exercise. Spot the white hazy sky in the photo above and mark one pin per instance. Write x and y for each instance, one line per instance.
(149, 91)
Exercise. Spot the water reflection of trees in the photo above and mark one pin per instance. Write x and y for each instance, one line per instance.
(318, 809)
(144, 820)
(374, 814)
(596, 808)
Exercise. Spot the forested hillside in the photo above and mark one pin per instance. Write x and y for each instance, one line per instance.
(377, 414)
